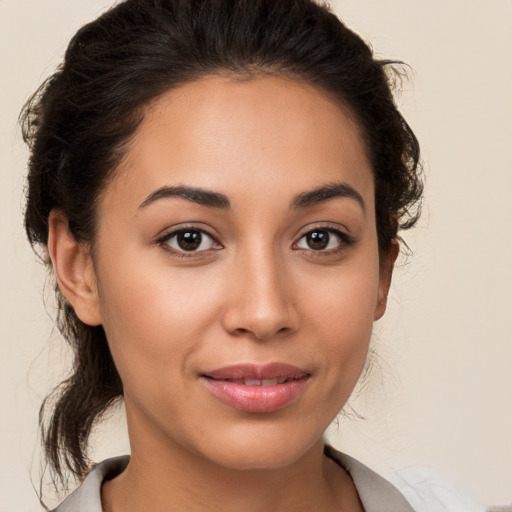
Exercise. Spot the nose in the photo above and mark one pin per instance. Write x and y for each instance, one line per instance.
(261, 301)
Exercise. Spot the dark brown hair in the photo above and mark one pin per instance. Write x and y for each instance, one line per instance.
(81, 118)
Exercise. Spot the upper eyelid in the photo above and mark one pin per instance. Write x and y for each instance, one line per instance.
(172, 231)
(163, 242)
(326, 226)
(346, 239)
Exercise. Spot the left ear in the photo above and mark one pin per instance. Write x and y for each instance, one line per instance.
(386, 271)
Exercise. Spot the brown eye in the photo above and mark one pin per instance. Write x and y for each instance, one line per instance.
(190, 240)
(323, 240)
(317, 240)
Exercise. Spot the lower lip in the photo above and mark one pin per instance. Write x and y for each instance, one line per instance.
(256, 398)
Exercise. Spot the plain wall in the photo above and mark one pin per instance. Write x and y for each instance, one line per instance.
(442, 396)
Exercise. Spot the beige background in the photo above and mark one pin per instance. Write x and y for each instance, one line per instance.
(442, 396)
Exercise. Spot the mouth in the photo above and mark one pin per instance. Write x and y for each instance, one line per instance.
(257, 388)
(256, 382)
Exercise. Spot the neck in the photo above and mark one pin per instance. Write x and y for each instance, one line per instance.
(166, 477)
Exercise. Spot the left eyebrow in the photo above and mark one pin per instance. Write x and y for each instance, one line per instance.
(326, 192)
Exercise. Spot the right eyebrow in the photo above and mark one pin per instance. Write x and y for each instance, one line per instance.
(193, 194)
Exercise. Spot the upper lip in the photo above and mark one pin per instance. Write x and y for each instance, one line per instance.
(257, 372)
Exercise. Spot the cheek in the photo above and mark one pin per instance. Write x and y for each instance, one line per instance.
(152, 317)
(340, 315)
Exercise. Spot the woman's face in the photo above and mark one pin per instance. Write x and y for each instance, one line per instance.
(237, 270)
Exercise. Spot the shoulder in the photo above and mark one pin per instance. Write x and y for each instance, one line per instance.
(415, 489)
(376, 493)
(87, 498)
(430, 491)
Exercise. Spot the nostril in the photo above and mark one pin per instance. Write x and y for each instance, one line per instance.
(260, 312)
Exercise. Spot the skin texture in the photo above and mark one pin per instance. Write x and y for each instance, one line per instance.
(255, 292)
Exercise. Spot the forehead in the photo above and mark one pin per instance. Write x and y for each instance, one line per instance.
(234, 135)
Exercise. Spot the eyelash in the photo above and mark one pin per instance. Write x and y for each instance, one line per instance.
(345, 241)
(164, 241)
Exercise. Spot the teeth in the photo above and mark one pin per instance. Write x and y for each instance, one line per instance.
(264, 382)
(259, 382)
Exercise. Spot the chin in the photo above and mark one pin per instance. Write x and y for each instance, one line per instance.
(261, 449)
(254, 460)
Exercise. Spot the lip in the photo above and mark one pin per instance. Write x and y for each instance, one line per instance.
(246, 387)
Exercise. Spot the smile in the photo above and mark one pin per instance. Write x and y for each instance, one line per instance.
(257, 382)
(256, 388)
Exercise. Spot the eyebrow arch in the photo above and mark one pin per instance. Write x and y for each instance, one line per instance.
(326, 192)
(192, 194)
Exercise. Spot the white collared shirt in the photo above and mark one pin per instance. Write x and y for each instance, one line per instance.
(376, 493)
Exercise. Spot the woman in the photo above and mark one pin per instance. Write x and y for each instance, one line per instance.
(218, 186)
